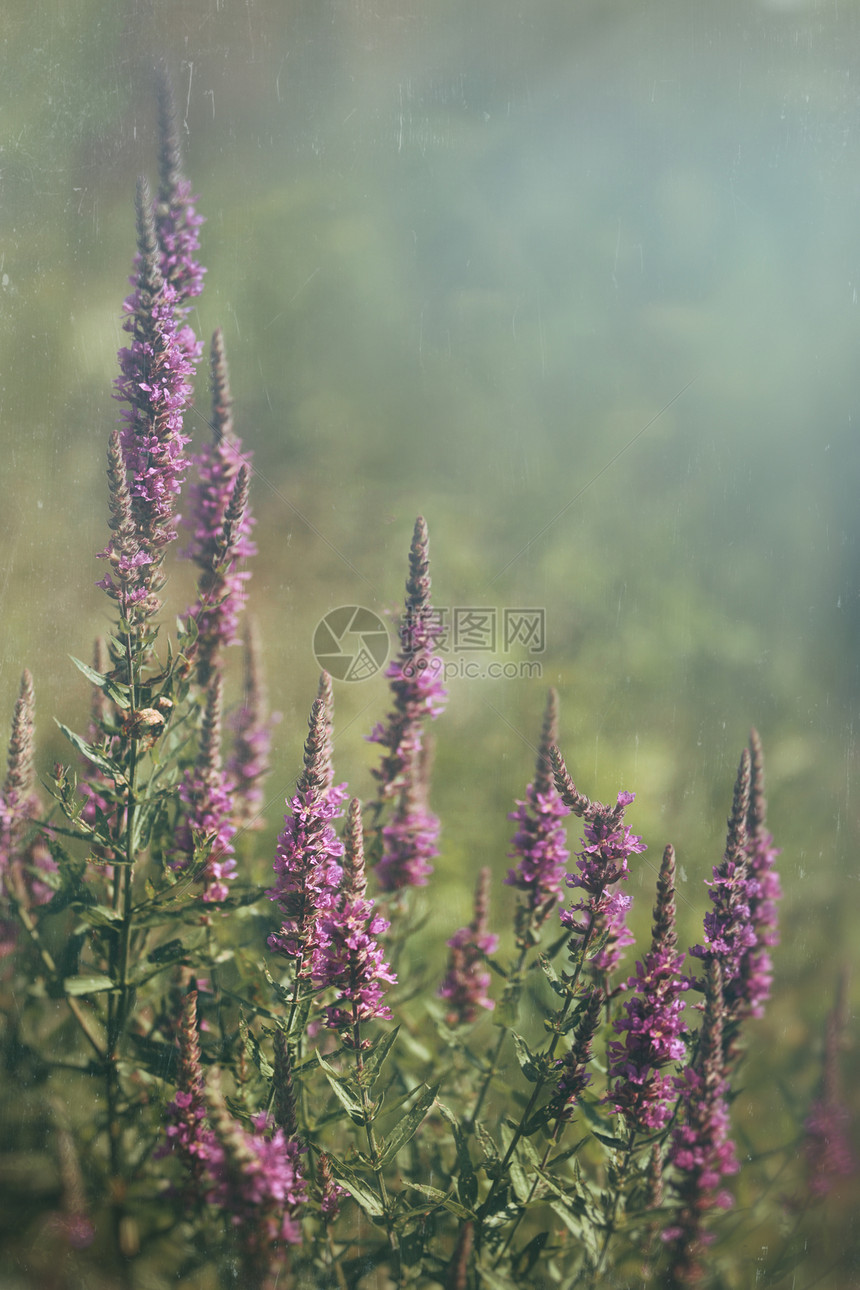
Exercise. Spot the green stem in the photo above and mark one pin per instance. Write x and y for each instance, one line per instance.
(373, 1149)
(540, 1082)
(514, 980)
(611, 1216)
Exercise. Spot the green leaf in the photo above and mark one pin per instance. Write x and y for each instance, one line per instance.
(531, 1065)
(95, 984)
(616, 1144)
(375, 1056)
(349, 1102)
(118, 694)
(467, 1182)
(408, 1126)
(358, 1188)
(100, 915)
(552, 976)
(92, 754)
(441, 1198)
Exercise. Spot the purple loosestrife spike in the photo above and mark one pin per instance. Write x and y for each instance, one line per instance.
(747, 994)
(154, 382)
(733, 926)
(21, 856)
(539, 843)
(207, 817)
(346, 955)
(251, 725)
(651, 1019)
(258, 1182)
(607, 846)
(221, 525)
(176, 218)
(354, 873)
(573, 1077)
(702, 1154)
(410, 840)
(827, 1148)
(307, 862)
(131, 580)
(188, 1133)
(467, 981)
(329, 1191)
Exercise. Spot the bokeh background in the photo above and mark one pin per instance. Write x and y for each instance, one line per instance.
(575, 279)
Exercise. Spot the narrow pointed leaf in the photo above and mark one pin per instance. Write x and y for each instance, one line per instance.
(409, 1125)
(95, 984)
(374, 1059)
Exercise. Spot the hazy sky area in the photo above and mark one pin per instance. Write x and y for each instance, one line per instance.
(578, 282)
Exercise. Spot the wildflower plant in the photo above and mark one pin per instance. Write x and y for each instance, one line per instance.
(262, 1096)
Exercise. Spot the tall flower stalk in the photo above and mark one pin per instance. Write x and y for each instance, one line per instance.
(407, 843)
(221, 525)
(702, 1153)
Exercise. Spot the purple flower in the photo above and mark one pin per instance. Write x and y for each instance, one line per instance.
(187, 1131)
(307, 862)
(221, 525)
(539, 843)
(176, 218)
(347, 957)
(742, 922)
(23, 853)
(410, 840)
(702, 1153)
(652, 1021)
(207, 817)
(154, 383)
(467, 981)
(608, 844)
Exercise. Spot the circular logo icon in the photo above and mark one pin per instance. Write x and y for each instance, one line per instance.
(351, 643)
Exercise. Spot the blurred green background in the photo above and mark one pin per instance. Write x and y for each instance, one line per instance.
(576, 280)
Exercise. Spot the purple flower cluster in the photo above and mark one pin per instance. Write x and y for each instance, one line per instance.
(221, 525)
(154, 383)
(207, 817)
(23, 854)
(702, 1152)
(409, 840)
(176, 219)
(253, 1175)
(467, 980)
(741, 925)
(602, 862)
(651, 1019)
(309, 852)
(540, 841)
(347, 957)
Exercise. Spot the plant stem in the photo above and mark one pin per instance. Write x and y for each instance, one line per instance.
(372, 1147)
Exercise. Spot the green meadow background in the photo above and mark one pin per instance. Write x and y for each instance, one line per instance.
(575, 279)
